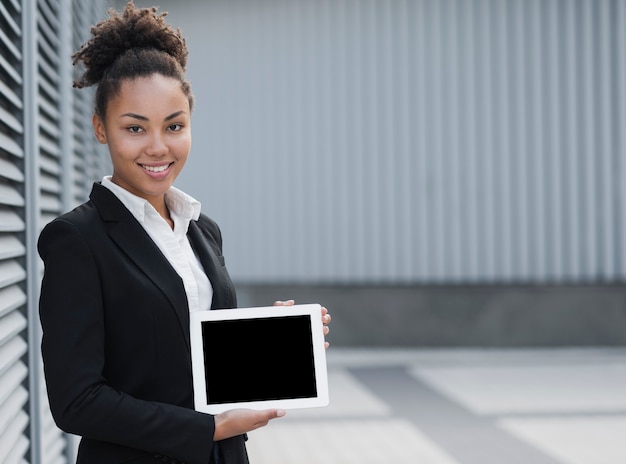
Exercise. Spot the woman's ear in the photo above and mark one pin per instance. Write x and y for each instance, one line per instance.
(98, 129)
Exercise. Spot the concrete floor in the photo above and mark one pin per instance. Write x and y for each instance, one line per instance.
(459, 406)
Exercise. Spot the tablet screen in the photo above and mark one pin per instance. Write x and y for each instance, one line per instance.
(259, 358)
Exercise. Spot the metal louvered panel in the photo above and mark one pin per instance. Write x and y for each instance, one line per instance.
(50, 166)
(10, 121)
(87, 163)
(81, 107)
(9, 70)
(49, 101)
(36, 39)
(12, 325)
(66, 163)
(13, 403)
(10, 221)
(14, 445)
(8, 145)
(50, 182)
(12, 375)
(10, 247)
(14, 397)
(11, 298)
(8, 16)
(49, 145)
(9, 196)
(10, 273)
(10, 96)
(10, 353)
(10, 171)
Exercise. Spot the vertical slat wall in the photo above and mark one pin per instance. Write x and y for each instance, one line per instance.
(50, 105)
(416, 141)
(35, 125)
(67, 156)
(54, 177)
(89, 161)
(14, 442)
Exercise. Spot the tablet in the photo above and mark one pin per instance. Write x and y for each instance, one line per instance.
(259, 358)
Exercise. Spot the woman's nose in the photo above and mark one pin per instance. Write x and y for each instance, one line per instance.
(157, 145)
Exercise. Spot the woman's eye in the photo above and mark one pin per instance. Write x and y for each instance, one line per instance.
(134, 129)
(175, 127)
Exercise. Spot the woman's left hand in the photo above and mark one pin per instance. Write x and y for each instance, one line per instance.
(325, 317)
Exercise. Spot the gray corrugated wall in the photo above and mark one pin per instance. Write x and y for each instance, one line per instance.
(39, 175)
(412, 141)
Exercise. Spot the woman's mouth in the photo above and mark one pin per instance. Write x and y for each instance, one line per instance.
(157, 172)
(156, 169)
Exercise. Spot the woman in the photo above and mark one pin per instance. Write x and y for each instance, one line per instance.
(123, 270)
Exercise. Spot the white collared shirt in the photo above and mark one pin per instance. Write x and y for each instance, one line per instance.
(174, 244)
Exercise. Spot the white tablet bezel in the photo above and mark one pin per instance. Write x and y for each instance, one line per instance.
(314, 311)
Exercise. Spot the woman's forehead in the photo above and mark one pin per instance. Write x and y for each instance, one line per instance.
(149, 94)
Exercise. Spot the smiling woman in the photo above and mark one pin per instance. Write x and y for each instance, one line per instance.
(149, 138)
(124, 270)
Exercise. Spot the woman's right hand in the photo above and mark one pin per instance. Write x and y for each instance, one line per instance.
(239, 421)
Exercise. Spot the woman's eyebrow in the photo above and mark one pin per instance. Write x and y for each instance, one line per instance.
(143, 118)
(135, 116)
(174, 115)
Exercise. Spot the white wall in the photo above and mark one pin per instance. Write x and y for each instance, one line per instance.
(411, 141)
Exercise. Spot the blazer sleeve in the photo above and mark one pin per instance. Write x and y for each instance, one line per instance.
(82, 402)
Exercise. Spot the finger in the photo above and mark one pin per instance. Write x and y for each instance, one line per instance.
(271, 414)
(284, 303)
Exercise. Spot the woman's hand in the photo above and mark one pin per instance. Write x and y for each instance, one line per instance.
(325, 317)
(239, 421)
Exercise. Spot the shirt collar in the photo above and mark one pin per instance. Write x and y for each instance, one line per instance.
(181, 205)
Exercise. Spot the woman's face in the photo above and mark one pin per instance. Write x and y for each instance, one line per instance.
(148, 130)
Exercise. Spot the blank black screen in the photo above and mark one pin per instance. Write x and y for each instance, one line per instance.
(258, 359)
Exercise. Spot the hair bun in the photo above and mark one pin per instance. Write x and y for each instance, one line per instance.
(135, 28)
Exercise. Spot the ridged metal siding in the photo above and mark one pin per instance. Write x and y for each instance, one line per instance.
(14, 396)
(411, 141)
(35, 125)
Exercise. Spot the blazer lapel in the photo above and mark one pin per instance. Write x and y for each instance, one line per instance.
(214, 268)
(131, 237)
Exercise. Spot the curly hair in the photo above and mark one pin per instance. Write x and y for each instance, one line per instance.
(136, 43)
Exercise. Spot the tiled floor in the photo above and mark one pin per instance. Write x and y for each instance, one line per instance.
(554, 406)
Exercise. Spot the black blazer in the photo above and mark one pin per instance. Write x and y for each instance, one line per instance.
(115, 345)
